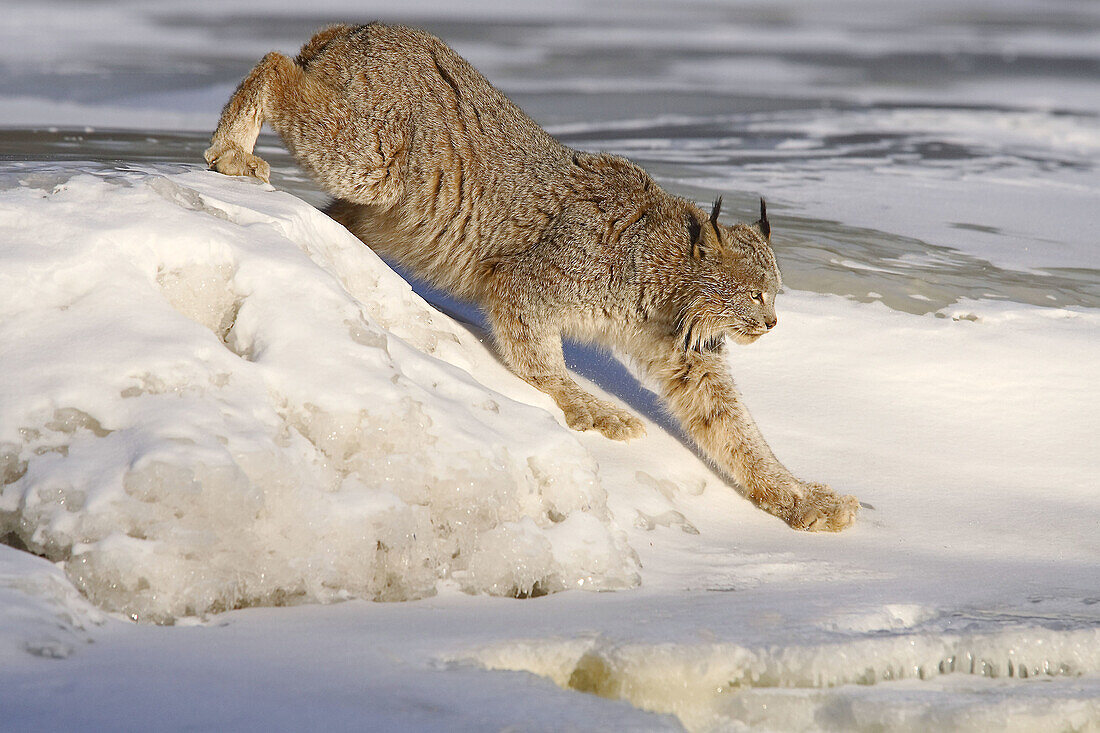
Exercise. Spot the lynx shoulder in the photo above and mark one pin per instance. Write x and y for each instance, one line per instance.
(433, 167)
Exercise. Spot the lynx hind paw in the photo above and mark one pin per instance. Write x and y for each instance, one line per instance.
(823, 510)
(613, 422)
(232, 161)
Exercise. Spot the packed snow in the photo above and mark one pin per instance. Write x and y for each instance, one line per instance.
(252, 479)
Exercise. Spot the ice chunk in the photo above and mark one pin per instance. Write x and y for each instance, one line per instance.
(981, 680)
(514, 559)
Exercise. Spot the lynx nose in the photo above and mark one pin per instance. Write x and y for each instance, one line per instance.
(771, 324)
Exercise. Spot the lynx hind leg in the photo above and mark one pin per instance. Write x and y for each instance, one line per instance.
(259, 98)
(536, 357)
(230, 150)
(320, 40)
(702, 395)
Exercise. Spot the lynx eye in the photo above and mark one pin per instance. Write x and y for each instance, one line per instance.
(757, 296)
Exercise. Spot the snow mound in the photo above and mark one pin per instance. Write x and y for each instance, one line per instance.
(249, 407)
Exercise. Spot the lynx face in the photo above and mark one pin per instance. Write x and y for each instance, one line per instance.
(732, 288)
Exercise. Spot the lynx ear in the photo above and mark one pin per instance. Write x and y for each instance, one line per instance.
(695, 230)
(762, 224)
(697, 248)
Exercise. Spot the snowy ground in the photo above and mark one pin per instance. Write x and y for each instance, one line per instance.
(214, 398)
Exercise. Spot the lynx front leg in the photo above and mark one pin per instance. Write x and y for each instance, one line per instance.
(702, 395)
(230, 150)
(535, 355)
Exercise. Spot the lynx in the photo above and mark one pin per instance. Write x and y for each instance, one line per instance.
(434, 168)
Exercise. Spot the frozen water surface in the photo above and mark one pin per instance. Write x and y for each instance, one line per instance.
(214, 399)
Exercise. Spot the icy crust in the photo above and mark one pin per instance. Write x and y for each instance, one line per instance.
(1020, 679)
(249, 408)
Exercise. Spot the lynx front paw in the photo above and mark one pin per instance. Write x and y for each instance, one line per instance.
(613, 422)
(822, 509)
(232, 161)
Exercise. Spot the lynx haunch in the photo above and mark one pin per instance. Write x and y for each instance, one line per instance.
(433, 167)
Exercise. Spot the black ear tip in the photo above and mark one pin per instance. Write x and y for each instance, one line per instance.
(765, 227)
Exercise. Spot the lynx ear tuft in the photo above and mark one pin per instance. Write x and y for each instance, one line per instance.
(762, 223)
(714, 212)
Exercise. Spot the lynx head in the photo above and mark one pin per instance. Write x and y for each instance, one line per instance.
(731, 282)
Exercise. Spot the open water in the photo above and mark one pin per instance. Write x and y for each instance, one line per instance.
(916, 154)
